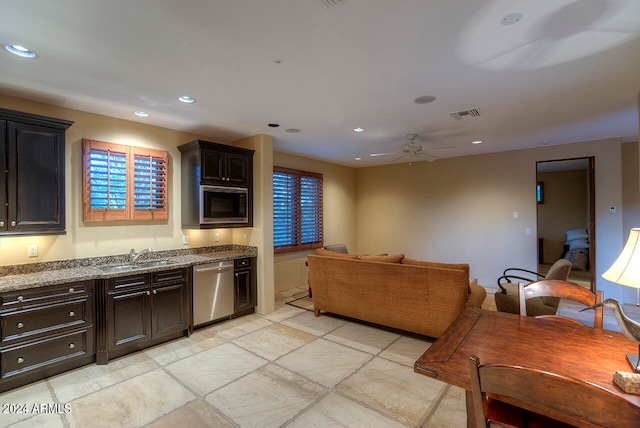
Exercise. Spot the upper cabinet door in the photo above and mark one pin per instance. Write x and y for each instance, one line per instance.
(213, 168)
(35, 181)
(237, 170)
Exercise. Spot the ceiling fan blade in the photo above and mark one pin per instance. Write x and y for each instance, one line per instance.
(398, 158)
(382, 154)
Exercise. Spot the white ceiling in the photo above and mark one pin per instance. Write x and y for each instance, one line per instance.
(568, 71)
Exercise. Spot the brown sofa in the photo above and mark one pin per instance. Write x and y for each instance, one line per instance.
(393, 291)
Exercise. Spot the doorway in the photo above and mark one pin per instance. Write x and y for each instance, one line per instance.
(566, 216)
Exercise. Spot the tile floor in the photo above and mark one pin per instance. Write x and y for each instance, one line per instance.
(286, 368)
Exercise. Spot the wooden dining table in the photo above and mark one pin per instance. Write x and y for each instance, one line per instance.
(583, 353)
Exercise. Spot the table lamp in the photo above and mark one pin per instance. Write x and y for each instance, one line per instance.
(626, 271)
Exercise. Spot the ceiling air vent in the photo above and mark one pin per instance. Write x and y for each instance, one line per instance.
(459, 115)
(328, 4)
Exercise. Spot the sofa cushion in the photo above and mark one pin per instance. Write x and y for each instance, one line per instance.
(329, 253)
(396, 258)
(460, 266)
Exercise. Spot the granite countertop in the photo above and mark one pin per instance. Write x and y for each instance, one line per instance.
(21, 277)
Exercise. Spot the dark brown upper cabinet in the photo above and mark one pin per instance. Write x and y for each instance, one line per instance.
(32, 152)
(209, 172)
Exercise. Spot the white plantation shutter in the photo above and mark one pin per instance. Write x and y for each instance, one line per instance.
(297, 210)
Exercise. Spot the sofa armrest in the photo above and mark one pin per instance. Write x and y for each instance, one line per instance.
(477, 296)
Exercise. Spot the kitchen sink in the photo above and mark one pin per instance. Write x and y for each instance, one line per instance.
(155, 263)
(120, 268)
(129, 267)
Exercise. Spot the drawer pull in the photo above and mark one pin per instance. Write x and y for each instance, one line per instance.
(20, 298)
(72, 314)
(72, 345)
(71, 290)
(148, 293)
(20, 325)
(20, 360)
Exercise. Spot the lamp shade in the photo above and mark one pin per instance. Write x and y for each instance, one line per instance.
(626, 269)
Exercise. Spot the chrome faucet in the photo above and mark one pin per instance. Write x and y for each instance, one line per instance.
(133, 256)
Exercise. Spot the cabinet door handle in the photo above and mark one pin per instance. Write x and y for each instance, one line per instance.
(155, 291)
(72, 314)
(20, 298)
(71, 290)
(13, 223)
(20, 325)
(72, 345)
(20, 360)
(148, 293)
(1, 223)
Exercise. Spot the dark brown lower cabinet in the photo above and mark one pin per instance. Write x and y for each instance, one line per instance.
(45, 331)
(245, 298)
(143, 310)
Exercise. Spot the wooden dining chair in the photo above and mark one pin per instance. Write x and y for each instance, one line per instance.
(551, 399)
(563, 290)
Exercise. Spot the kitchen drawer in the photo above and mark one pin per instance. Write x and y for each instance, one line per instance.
(42, 294)
(172, 275)
(32, 321)
(40, 354)
(129, 282)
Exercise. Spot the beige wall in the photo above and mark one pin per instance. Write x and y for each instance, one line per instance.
(98, 239)
(462, 209)
(457, 210)
(339, 202)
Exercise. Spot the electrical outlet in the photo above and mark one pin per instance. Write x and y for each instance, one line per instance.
(32, 251)
(216, 237)
(245, 237)
(185, 240)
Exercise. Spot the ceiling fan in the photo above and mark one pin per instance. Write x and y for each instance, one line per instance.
(411, 149)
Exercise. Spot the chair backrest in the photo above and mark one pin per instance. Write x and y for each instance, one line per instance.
(338, 248)
(559, 270)
(556, 396)
(563, 290)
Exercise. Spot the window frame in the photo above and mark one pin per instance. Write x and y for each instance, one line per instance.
(129, 212)
(296, 223)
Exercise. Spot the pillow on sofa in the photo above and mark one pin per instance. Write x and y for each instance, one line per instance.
(396, 258)
(329, 253)
(459, 266)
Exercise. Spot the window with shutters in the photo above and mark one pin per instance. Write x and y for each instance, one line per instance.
(297, 210)
(124, 182)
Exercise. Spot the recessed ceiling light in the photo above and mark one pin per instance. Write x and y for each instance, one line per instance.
(273, 125)
(358, 159)
(21, 51)
(292, 130)
(141, 113)
(358, 129)
(186, 99)
(511, 19)
(426, 99)
(477, 142)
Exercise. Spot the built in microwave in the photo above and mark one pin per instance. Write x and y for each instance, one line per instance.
(219, 204)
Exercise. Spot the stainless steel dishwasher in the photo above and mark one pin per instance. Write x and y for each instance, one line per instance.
(212, 292)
